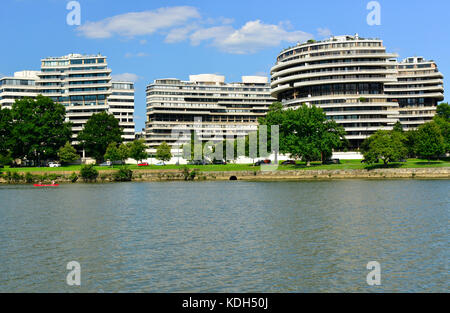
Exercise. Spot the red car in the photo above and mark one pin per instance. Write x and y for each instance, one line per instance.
(143, 164)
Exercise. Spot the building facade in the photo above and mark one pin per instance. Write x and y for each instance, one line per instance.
(214, 108)
(121, 104)
(83, 84)
(356, 82)
(418, 90)
(21, 85)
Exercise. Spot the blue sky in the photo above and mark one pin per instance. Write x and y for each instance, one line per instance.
(149, 39)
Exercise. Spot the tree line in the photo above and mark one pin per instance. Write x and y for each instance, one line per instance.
(37, 130)
(304, 133)
(429, 141)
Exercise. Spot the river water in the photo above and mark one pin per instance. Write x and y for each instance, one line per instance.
(226, 236)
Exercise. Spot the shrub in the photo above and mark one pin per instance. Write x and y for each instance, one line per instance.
(16, 177)
(188, 175)
(29, 178)
(89, 173)
(123, 174)
(73, 177)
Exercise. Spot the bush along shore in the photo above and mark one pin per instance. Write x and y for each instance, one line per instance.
(89, 174)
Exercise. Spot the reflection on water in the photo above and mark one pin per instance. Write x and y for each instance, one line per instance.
(226, 236)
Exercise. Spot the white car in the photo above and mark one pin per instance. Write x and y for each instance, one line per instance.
(160, 164)
(53, 164)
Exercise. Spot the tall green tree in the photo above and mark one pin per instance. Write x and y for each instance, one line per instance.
(137, 150)
(68, 154)
(274, 117)
(115, 153)
(112, 152)
(385, 145)
(443, 110)
(100, 131)
(124, 153)
(429, 141)
(444, 126)
(163, 152)
(410, 142)
(308, 134)
(442, 119)
(39, 128)
(6, 123)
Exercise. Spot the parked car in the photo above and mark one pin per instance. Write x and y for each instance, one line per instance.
(199, 162)
(107, 163)
(219, 162)
(160, 164)
(261, 162)
(143, 164)
(333, 161)
(54, 164)
(289, 162)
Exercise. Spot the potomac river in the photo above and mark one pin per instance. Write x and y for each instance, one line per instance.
(309, 236)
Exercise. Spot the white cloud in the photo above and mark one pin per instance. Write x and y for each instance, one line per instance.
(182, 23)
(128, 77)
(180, 34)
(324, 32)
(139, 23)
(252, 37)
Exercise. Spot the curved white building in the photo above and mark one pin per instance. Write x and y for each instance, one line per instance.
(346, 76)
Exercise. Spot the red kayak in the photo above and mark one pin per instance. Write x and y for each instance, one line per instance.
(52, 185)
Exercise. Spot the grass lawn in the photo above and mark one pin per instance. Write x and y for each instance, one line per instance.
(345, 165)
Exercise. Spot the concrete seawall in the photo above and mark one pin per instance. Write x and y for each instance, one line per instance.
(178, 175)
(439, 173)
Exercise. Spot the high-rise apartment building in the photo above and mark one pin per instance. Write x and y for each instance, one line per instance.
(357, 83)
(82, 83)
(224, 109)
(121, 104)
(418, 90)
(21, 85)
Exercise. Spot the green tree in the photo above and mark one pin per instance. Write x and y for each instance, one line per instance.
(6, 123)
(100, 131)
(112, 152)
(429, 142)
(137, 150)
(443, 110)
(385, 145)
(398, 127)
(39, 128)
(163, 152)
(410, 142)
(307, 133)
(442, 119)
(6, 139)
(124, 153)
(444, 126)
(67, 153)
(274, 117)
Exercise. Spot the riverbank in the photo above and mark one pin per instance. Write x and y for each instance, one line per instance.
(245, 175)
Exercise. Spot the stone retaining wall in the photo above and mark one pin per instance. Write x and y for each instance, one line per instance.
(177, 175)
